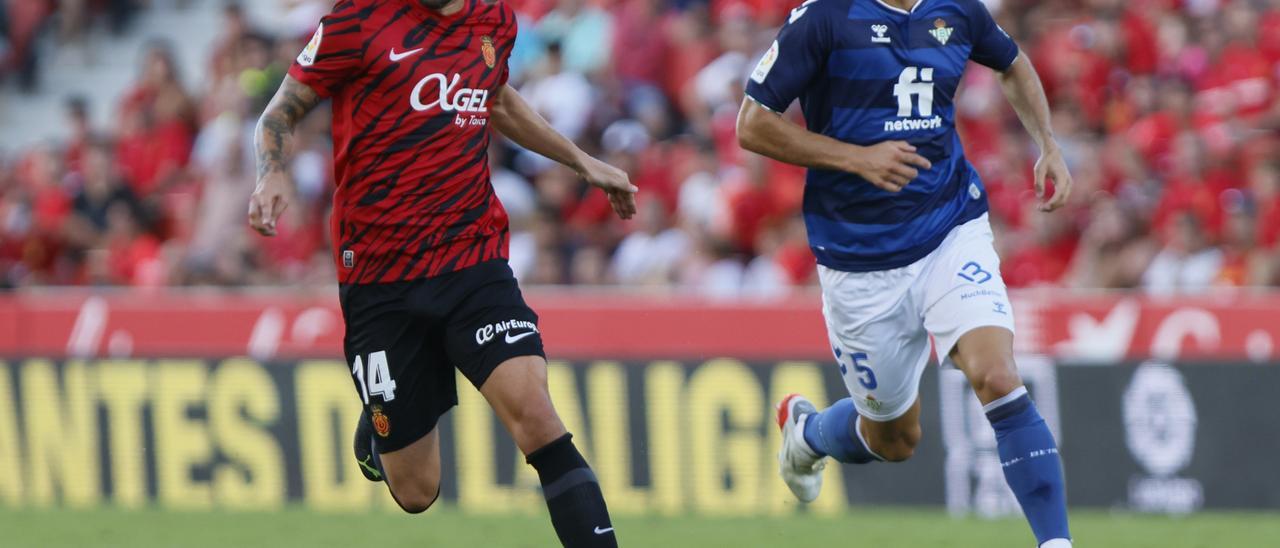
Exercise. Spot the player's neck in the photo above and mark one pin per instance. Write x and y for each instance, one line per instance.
(904, 5)
(450, 7)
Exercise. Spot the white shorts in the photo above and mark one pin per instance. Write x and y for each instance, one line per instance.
(879, 322)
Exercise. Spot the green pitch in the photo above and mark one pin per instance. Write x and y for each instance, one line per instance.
(882, 528)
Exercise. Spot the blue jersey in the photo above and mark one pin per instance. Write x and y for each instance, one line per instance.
(866, 73)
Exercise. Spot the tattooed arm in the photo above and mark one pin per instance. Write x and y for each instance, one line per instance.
(273, 139)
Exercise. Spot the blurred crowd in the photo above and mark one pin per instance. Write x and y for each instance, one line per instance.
(1166, 109)
(67, 21)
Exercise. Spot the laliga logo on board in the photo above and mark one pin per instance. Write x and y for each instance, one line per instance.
(1160, 421)
(449, 97)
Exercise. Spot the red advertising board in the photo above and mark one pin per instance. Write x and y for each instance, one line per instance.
(1089, 327)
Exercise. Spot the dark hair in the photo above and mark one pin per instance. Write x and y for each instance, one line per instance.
(78, 106)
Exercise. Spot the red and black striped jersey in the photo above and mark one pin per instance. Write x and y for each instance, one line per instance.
(410, 90)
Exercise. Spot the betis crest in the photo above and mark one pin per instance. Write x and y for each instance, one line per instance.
(941, 31)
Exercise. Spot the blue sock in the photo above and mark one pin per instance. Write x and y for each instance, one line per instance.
(834, 431)
(1031, 464)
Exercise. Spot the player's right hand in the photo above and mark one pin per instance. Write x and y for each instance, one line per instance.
(889, 165)
(269, 200)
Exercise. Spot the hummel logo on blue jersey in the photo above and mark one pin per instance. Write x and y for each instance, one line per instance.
(880, 38)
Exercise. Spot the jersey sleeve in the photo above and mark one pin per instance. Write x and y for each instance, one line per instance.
(796, 57)
(334, 55)
(992, 46)
(511, 31)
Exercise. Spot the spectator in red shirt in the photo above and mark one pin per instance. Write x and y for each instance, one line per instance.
(1264, 186)
(1239, 80)
(157, 126)
(641, 46)
(1243, 263)
(1188, 188)
(1114, 250)
(1043, 257)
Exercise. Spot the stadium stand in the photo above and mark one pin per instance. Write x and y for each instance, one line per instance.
(1167, 111)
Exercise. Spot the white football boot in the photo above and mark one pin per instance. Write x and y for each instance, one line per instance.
(800, 467)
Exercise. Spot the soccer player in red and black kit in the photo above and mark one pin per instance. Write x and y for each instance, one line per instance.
(420, 239)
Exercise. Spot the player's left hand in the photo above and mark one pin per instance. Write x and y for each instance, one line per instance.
(269, 200)
(614, 182)
(1051, 166)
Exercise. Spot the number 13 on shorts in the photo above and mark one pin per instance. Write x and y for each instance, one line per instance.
(376, 378)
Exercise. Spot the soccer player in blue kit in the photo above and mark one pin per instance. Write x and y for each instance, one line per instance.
(898, 221)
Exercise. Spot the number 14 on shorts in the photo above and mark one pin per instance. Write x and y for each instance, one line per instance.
(378, 375)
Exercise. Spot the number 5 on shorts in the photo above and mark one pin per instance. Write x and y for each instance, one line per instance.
(866, 377)
(379, 375)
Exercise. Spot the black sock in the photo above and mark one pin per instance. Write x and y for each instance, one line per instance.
(577, 507)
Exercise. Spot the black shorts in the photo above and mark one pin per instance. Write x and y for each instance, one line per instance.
(404, 340)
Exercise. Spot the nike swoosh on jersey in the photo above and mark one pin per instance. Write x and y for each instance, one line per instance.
(396, 57)
(600, 531)
(511, 339)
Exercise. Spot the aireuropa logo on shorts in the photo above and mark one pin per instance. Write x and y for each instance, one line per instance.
(511, 330)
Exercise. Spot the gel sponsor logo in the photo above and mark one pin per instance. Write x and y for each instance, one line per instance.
(448, 96)
(511, 330)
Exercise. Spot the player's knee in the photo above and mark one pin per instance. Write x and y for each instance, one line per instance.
(899, 445)
(902, 449)
(995, 378)
(998, 382)
(533, 422)
(536, 427)
(417, 495)
(897, 452)
(417, 502)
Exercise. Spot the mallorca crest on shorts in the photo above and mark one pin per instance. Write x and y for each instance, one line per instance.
(486, 49)
(381, 424)
(941, 31)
